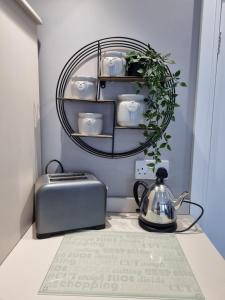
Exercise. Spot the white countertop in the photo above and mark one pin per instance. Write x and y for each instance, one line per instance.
(22, 273)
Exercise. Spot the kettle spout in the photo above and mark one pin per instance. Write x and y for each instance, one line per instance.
(177, 202)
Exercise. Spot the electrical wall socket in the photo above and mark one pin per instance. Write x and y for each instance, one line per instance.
(142, 171)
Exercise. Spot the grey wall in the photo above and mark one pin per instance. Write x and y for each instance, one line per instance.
(169, 26)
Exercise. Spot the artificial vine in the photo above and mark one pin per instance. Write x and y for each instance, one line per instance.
(160, 85)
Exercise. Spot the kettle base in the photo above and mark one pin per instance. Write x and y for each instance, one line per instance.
(148, 226)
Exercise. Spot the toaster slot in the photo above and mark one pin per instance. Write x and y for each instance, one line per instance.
(67, 177)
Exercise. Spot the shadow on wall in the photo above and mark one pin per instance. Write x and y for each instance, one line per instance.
(202, 194)
(27, 214)
(26, 217)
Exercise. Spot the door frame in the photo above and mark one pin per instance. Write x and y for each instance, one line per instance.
(205, 94)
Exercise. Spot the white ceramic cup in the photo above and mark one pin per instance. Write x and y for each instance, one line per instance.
(83, 87)
(130, 110)
(90, 123)
(113, 63)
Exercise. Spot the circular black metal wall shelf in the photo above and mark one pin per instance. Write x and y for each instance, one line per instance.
(87, 52)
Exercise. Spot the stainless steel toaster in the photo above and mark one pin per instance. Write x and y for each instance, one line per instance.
(69, 201)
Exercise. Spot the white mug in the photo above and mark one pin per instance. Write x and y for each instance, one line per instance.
(90, 123)
(130, 110)
(83, 87)
(113, 63)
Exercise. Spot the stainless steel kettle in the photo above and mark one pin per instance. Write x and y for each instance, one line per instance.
(158, 205)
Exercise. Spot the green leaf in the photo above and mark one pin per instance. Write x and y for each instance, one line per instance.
(151, 165)
(167, 55)
(163, 145)
(177, 73)
(167, 98)
(142, 126)
(183, 84)
(134, 60)
(176, 105)
(168, 147)
(151, 153)
(140, 71)
(172, 62)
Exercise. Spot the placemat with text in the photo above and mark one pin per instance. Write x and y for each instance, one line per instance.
(121, 264)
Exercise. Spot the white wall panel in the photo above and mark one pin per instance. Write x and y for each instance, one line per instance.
(19, 123)
(214, 220)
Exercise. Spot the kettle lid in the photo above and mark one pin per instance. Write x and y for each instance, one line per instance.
(161, 174)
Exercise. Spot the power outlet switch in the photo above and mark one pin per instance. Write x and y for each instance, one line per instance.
(142, 171)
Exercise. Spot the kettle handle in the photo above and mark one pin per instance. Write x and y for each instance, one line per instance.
(135, 191)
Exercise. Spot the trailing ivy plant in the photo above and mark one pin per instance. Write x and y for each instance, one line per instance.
(160, 84)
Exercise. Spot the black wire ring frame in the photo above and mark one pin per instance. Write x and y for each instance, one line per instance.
(83, 54)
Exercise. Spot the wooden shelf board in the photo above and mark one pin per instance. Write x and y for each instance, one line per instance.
(121, 78)
(92, 101)
(126, 127)
(92, 136)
